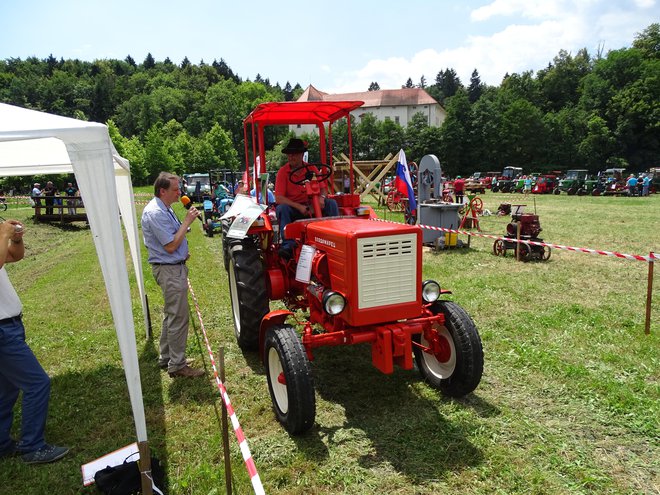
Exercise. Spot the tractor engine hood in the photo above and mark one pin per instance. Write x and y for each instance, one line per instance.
(377, 266)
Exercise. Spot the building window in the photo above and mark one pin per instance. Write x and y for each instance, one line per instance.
(414, 107)
(387, 117)
(396, 119)
(298, 126)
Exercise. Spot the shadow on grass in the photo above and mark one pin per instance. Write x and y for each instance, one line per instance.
(402, 418)
(90, 412)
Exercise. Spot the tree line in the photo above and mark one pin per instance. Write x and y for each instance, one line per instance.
(581, 111)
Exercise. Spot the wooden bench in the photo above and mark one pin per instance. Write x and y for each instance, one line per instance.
(59, 210)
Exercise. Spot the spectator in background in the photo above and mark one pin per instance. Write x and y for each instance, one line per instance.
(459, 188)
(646, 184)
(71, 191)
(270, 195)
(49, 191)
(36, 197)
(632, 185)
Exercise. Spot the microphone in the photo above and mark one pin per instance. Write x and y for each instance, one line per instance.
(187, 203)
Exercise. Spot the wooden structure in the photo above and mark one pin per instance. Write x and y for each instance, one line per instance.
(367, 175)
(58, 211)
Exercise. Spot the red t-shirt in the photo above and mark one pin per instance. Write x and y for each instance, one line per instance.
(459, 185)
(295, 192)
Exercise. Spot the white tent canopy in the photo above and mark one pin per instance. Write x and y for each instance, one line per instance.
(34, 142)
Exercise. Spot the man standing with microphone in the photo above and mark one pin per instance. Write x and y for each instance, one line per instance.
(165, 239)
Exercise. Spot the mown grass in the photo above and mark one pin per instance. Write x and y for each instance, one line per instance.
(569, 401)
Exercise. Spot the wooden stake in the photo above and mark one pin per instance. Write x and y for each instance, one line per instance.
(225, 424)
(649, 293)
(518, 246)
(145, 468)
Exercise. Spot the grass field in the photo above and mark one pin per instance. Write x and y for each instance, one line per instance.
(569, 402)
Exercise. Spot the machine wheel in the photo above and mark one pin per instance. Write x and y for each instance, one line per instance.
(557, 191)
(572, 191)
(545, 255)
(499, 249)
(247, 290)
(209, 227)
(494, 189)
(582, 192)
(456, 366)
(525, 252)
(290, 380)
(394, 201)
(3, 206)
(225, 243)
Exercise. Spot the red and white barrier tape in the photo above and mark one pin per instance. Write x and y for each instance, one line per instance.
(637, 257)
(240, 436)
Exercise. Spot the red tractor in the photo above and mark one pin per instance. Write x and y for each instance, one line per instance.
(351, 280)
(530, 228)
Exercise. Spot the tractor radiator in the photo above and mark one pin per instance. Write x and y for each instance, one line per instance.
(387, 268)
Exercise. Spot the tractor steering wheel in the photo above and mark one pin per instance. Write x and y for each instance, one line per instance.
(301, 175)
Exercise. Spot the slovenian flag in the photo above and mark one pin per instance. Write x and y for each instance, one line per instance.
(402, 181)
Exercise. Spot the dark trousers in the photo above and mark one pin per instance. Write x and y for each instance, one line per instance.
(20, 371)
(287, 214)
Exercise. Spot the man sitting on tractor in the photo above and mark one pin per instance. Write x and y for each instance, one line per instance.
(293, 203)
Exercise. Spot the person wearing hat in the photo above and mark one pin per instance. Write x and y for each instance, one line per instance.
(292, 200)
(459, 187)
(36, 193)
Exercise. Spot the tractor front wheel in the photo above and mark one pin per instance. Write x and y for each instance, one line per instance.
(247, 291)
(290, 380)
(450, 357)
(209, 227)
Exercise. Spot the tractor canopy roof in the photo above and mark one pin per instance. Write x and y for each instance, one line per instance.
(300, 112)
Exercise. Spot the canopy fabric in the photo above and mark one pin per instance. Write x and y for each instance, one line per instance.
(34, 142)
(301, 112)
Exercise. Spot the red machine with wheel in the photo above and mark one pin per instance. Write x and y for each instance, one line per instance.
(350, 281)
(530, 228)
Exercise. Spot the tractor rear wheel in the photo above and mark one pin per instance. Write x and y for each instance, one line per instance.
(247, 291)
(290, 380)
(456, 366)
(209, 227)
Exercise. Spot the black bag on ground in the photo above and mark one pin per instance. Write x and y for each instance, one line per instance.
(125, 478)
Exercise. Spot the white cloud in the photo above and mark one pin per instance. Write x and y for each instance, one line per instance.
(538, 31)
(532, 9)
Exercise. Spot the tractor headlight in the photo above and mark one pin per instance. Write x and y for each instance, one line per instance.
(430, 291)
(333, 302)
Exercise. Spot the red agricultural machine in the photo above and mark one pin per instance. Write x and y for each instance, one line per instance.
(351, 280)
(524, 227)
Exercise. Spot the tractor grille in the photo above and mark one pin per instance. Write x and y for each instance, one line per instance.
(387, 268)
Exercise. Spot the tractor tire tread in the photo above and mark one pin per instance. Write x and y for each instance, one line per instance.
(299, 379)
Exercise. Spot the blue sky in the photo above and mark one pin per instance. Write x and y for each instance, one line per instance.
(338, 46)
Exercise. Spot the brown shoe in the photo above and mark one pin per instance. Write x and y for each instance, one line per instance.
(187, 371)
(163, 366)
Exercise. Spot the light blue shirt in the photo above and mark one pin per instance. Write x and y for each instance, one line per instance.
(270, 195)
(159, 225)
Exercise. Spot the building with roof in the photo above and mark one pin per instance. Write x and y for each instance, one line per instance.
(398, 105)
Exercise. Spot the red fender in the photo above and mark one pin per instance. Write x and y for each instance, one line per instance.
(276, 317)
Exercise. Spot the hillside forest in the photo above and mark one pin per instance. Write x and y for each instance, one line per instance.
(587, 111)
